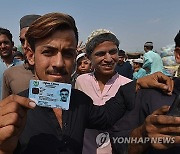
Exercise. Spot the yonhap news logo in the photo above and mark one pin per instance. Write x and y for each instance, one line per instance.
(103, 139)
(143, 140)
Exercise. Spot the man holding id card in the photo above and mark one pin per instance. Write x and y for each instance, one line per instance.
(34, 125)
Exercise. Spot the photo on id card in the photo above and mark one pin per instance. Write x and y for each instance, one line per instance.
(50, 94)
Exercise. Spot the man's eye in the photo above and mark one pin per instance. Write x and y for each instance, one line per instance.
(6, 42)
(100, 53)
(47, 52)
(86, 62)
(68, 54)
(112, 52)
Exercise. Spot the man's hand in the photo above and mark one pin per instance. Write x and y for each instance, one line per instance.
(156, 80)
(160, 125)
(157, 126)
(13, 111)
(80, 47)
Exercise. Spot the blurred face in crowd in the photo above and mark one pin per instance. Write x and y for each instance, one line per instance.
(145, 49)
(5, 46)
(19, 57)
(121, 59)
(23, 39)
(135, 65)
(54, 56)
(83, 65)
(104, 58)
(177, 54)
(14, 49)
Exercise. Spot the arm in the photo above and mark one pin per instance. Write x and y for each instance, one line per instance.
(140, 73)
(13, 111)
(5, 86)
(104, 117)
(135, 75)
(147, 61)
(115, 107)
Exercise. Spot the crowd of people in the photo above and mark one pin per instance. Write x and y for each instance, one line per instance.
(109, 94)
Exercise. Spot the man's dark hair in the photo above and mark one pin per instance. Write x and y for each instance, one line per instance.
(121, 53)
(149, 45)
(7, 33)
(91, 45)
(18, 53)
(64, 89)
(47, 24)
(177, 40)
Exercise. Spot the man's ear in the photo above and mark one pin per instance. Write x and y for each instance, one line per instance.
(30, 56)
(12, 43)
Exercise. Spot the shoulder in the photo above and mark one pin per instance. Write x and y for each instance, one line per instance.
(84, 78)
(13, 69)
(149, 92)
(154, 97)
(127, 64)
(123, 79)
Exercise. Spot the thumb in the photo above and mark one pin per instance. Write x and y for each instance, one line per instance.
(161, 111)
(25, 102)
(164, 87)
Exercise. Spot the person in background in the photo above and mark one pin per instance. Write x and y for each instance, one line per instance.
(101, 84)
(123, 67)
(6, 46)
(7, 60)
(14, 49)
(152, 60)
(137, 68)
(18, 55)
(16, 79)
(83, 65)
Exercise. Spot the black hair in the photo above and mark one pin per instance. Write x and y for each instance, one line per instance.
(91, 45)
(6, 32)
(148, 46)
(64, 89)
(121, 53)
(18, 53)
(177, 40)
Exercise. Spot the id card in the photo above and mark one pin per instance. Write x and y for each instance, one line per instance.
(50, 94)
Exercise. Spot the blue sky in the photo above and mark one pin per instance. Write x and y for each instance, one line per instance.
(133, 21)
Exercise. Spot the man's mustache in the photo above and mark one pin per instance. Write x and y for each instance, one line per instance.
(57, 72)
